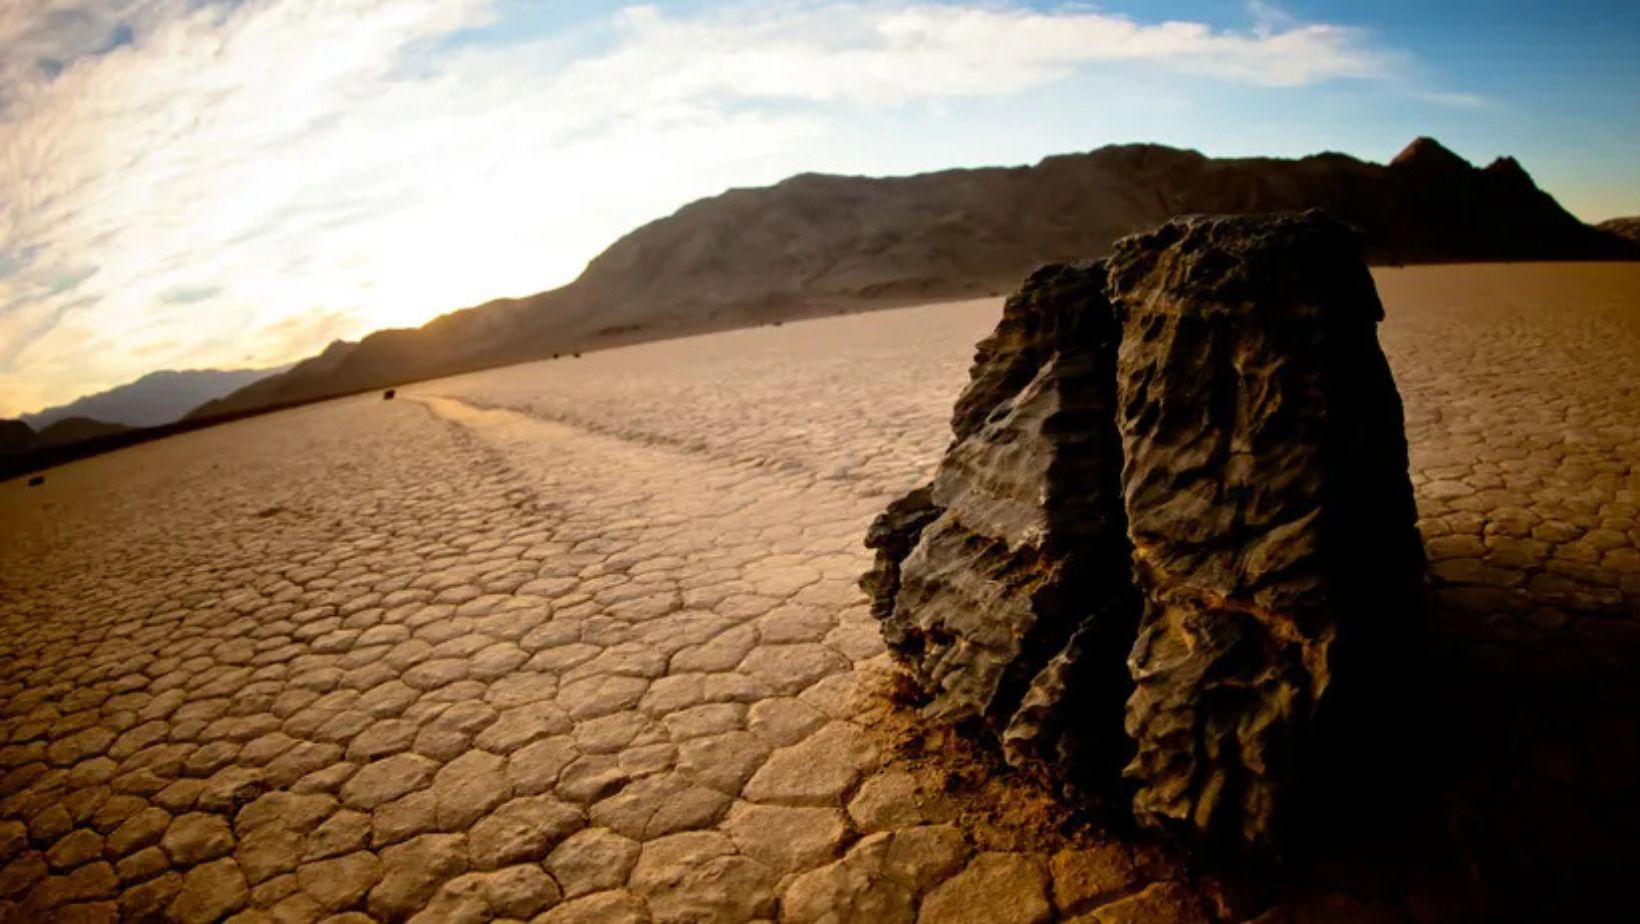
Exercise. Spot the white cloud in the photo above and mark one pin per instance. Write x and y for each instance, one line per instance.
(346, 160)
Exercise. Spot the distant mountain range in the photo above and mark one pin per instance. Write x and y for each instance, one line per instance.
(815, 243)
(156, 398)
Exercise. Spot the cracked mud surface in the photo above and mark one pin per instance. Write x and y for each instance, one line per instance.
(580, 641)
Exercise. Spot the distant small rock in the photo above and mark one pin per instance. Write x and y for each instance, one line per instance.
(36, 481)
(389, 395)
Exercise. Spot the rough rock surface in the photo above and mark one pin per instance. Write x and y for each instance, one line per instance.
(892, 536)
(1222, 436)
(1008, 575)
(1268, 501)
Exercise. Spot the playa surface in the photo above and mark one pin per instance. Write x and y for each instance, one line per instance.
(579, 640)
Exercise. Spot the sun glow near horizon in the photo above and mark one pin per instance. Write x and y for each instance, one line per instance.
(190, 184)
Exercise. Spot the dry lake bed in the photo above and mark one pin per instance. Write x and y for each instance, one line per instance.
(579, 641)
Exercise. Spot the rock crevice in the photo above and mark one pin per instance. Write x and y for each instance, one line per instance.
(1011, 596)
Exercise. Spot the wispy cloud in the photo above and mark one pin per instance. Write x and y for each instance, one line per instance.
(42, 39)
(204, 170)
(187, 295)
(1456, 100)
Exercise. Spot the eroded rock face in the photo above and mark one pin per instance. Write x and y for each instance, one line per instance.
(1268, 500)
(891, 536)
(1010, 600)
(1174, 518)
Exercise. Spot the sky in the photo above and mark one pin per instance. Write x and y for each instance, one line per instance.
(236, 183)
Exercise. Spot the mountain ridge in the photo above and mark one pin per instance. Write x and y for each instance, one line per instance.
(980, 230)
(156, 398)
(1627, 227)
(815, 243)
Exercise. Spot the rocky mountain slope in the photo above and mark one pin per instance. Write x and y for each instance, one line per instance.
(814, 243)
(1624, 227)
(156, 398)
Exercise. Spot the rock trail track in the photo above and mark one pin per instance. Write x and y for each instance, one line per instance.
(579, 641)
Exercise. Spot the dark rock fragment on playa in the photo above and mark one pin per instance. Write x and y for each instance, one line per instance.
(1268, 501)
(389, 395)
(1174, 523)
(1003, 585)
(36, 481)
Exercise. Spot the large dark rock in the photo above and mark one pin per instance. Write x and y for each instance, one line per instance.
(1268, 501)
(1003, 585)
(1174, 525)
